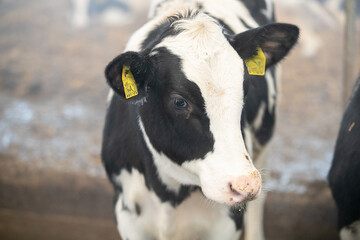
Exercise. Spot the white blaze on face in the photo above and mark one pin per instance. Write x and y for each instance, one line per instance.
(226, 174)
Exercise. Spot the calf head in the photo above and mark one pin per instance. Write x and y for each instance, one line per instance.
(190, 95)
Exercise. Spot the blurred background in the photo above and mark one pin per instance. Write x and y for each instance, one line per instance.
(53, 102)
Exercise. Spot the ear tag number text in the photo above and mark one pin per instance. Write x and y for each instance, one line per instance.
(256, 64)
(128, 80)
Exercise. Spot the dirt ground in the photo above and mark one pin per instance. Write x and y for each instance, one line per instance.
(52, 107)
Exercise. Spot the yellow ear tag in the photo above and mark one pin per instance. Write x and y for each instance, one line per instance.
(256, 64)
(128, 80)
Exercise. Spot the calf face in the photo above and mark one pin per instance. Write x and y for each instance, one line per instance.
(190, 95)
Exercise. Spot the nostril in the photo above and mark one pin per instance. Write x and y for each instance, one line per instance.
(244, 188)
(234, 189)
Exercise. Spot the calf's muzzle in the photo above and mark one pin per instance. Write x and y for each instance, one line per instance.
(244, 188)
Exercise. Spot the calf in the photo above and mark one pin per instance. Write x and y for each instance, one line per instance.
(344, 175)
(193, 107)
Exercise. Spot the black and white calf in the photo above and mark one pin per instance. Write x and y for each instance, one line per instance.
(344, 175)
(189, 116)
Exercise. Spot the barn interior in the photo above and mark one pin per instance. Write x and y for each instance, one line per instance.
(53, 102)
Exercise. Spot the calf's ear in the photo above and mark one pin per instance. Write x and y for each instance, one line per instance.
(275, 40)
(127, 75)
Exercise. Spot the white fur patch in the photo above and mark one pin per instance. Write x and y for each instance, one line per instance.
(268, 12)
(110, 96)
(135, 192)
(248, 139)
(351, 232)
(259, 116)
(271, 91)
(195, 218)
(253, 219)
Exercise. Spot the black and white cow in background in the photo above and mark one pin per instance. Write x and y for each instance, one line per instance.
(187, 119)
(344, 175)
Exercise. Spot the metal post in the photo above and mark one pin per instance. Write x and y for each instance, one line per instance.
(349, 50)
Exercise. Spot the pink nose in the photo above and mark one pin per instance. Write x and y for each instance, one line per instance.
(245, 188)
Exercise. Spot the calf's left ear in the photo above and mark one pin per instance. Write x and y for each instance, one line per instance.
(128, 75)
(275, 40)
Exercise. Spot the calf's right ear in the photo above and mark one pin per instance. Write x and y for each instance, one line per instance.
(127, 75)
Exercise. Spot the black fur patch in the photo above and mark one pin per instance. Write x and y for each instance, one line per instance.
(124, 149)
(181, 136)
(166, 29)
(238, 216)
(344, 177)
(157, 35)
(137, 209)
(256, 8)
(244, 23)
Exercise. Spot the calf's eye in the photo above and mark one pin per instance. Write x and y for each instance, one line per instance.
(180, 103)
